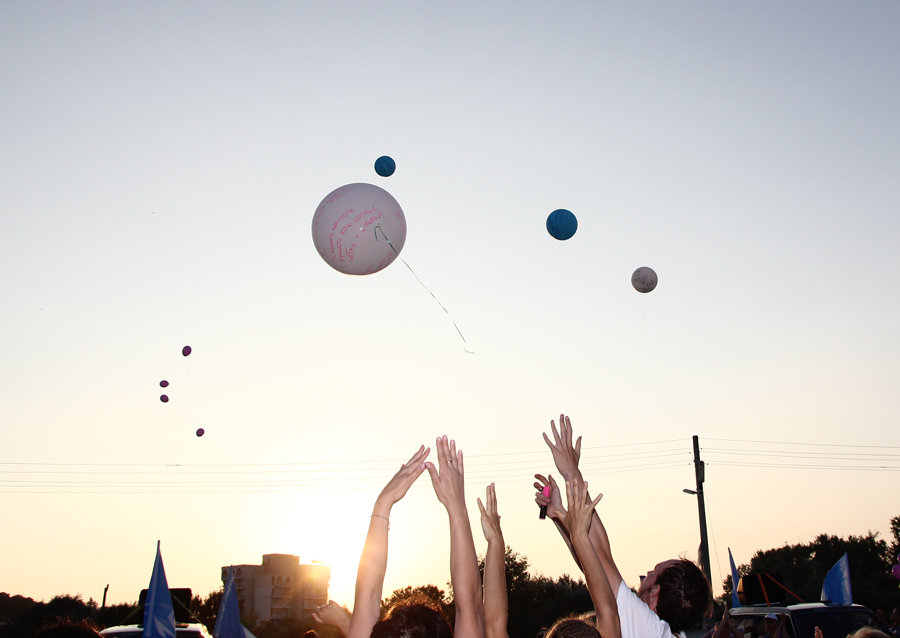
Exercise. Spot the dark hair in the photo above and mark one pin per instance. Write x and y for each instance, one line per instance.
(684, 595)
(416, 616)
(572, 628)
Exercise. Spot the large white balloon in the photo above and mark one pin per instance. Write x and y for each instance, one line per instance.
(644, 279)
(359, 229)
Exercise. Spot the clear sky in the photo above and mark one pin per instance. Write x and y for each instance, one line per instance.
(159, 167)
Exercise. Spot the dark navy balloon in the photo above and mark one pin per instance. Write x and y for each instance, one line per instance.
(185, 351)
(385, 166)
(164, 384)
(200, 431)
(561, 224)
(164, 398)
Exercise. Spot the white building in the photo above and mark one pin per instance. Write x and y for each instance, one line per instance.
(281, 587)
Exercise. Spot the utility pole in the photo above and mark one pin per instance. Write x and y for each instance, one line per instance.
(105, 589)
(699, 473)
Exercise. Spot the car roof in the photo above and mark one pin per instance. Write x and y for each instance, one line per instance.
(772, 609)
(196, 630)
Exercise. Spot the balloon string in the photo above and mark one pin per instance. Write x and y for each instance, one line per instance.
(433, 296)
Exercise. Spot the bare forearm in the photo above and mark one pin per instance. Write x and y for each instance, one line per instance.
(370, 575)
(600, 541)
(464, 577)
(599, 587)
(496, 606)
(561, 528)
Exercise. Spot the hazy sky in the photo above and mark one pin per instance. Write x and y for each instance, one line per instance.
(159, 169)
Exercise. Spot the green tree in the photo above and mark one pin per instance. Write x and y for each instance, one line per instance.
(119, 614)
(894, 552)
(206, 609)
(58, 609)
(11, 607)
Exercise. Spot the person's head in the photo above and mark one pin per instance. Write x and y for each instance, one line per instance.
(868, 632)
(678, 592)
(589, 617)
(413, 617)
(771, 623)
(572, 628)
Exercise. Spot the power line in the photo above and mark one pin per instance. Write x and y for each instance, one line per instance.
(35, 477)
(806, 443)
(855, 468)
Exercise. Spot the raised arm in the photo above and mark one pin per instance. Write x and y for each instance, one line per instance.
(566, 455)
(727, 628)
(373, 561)
(447, 479)
(555, 509)
(496, 606)
(578, 521)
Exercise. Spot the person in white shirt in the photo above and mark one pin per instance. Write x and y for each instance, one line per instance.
(674, 595)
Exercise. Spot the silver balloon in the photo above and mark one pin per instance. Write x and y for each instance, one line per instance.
(644, 279)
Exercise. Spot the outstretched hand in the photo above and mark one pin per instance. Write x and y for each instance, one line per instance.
(403, 479)
(581, 510)
(332, 614)
(490, 519)
(447, 477)
(553, 502)
(565, 454)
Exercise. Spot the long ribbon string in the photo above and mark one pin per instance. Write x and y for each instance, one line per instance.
(433, 296)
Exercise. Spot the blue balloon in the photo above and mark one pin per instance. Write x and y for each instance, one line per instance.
(561, 224)
(385, 166)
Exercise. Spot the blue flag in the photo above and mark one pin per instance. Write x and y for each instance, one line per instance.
(735, 579)
(228, 620)
(159, 615)
(836, 588)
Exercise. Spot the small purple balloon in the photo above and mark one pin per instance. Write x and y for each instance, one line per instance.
(164, 398)
(200, 431)
(185, 351)
(896, 571)
(164, 384)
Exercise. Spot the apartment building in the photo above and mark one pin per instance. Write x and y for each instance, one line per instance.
(281, 587)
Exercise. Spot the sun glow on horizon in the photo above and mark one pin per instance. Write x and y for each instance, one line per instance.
(329, 528)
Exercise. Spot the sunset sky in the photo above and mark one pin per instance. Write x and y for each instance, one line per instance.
(160, 164)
